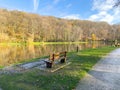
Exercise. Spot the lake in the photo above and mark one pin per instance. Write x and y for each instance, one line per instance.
(11, 54)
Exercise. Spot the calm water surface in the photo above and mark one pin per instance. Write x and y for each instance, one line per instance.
(14, 54)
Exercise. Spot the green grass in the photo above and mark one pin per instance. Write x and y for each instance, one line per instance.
(1, 67)
(63, 79)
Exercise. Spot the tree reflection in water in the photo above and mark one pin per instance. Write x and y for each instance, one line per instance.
(14, 54)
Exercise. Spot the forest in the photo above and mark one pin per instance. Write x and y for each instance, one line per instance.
(18, 26)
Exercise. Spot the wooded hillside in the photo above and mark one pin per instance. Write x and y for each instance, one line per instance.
(16, 26)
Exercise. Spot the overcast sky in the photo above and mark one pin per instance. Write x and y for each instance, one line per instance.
(95, 10)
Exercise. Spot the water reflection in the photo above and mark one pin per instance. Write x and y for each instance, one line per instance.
(14, 54)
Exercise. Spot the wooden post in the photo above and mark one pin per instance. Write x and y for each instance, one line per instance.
(77, 48)
(50, 63)
(53, 57)
(63, 60)
(65, 54)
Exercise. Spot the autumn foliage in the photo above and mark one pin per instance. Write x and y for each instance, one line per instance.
(16, 26)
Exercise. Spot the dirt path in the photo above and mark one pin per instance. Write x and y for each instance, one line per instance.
(105, 75)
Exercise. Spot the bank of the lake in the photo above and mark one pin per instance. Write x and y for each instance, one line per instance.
(64, 79)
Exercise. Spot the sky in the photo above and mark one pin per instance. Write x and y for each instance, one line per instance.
(94, 10)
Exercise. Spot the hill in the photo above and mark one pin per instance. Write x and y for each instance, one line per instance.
(17, 26)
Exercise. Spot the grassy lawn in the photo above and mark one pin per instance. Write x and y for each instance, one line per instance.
(63, 79)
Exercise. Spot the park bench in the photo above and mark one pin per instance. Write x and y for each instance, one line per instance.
(60, 57)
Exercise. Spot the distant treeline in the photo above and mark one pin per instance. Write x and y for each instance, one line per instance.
(16, 26)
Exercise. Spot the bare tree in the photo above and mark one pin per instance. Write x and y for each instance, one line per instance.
(16, 26)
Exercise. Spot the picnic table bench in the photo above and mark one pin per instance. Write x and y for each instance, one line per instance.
(61, 57)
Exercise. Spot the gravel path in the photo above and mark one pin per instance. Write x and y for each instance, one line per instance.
(105, 75)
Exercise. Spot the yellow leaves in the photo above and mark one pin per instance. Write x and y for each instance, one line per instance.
(4, 37)
(93, 37)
